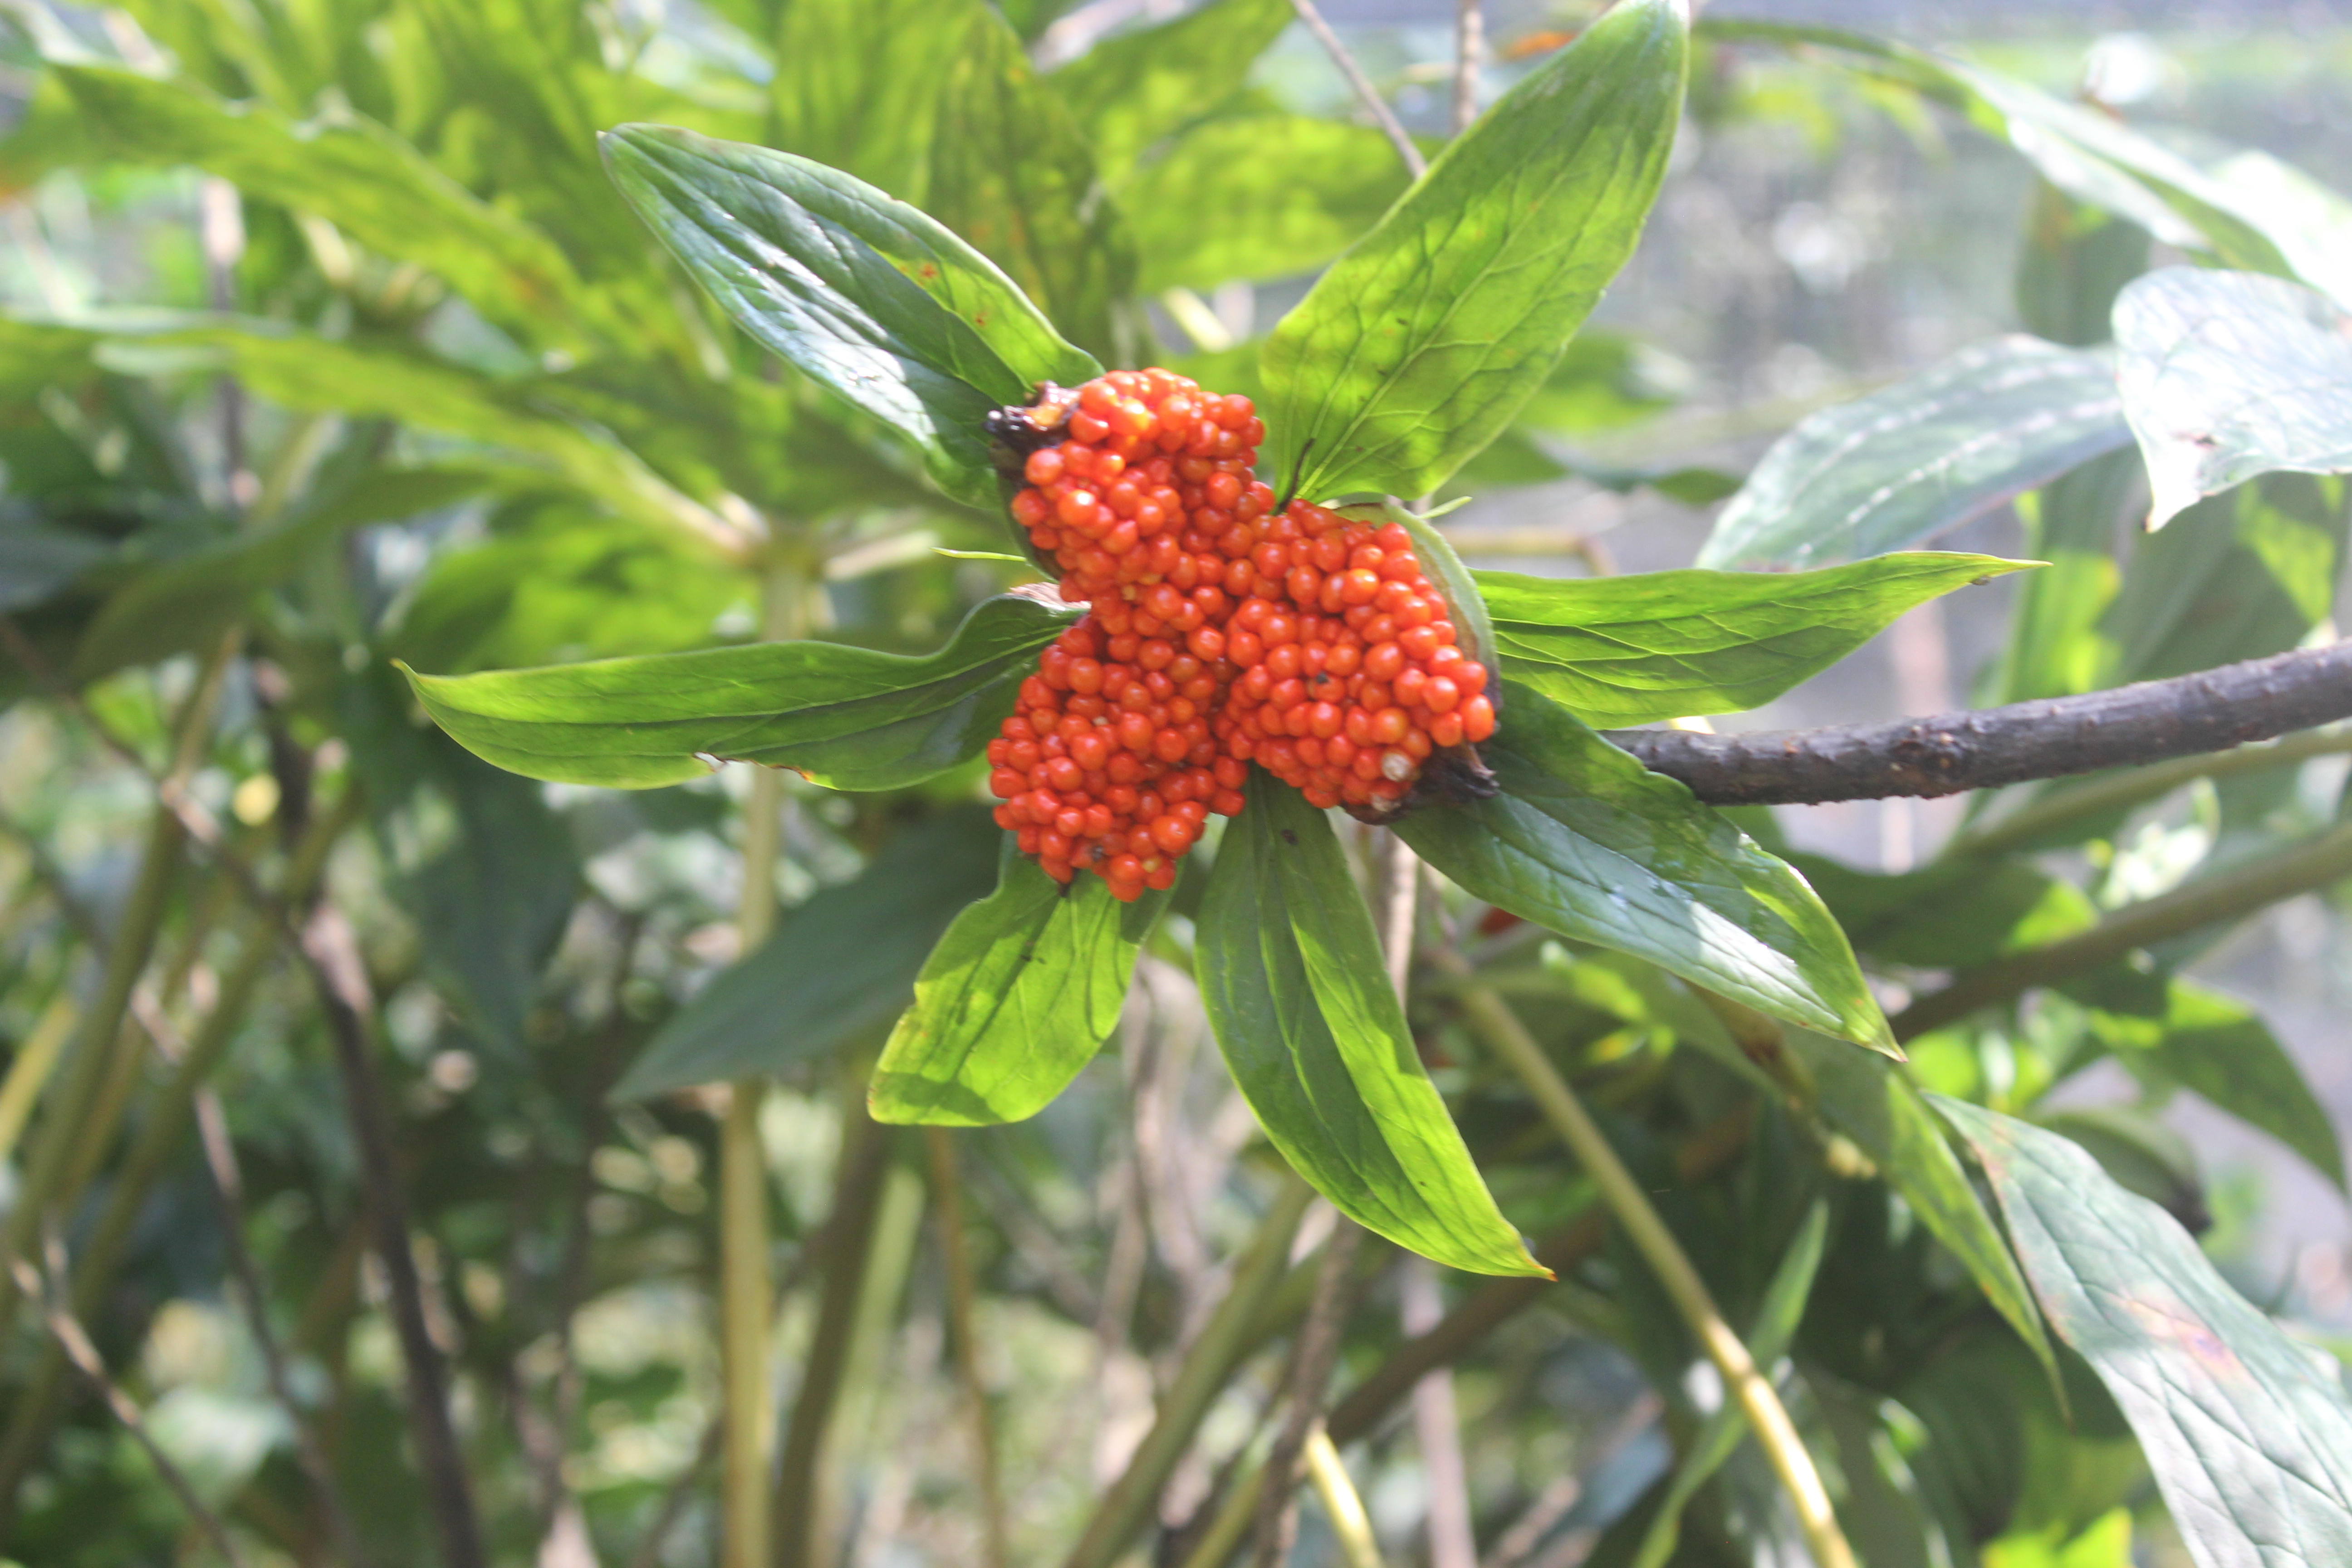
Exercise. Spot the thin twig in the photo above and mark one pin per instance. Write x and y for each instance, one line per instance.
(1312, 1359)
(1775, 1433)
(1437, 1426)
(76, 1343)
(1415, 164)
(1341, 1502)
(1469, 52)
(955, 1254)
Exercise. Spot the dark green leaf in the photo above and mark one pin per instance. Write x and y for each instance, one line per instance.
(1668, 645)
(1768, 1341)
(1135, 88)
(2226, 376)
(1952, 914)
(1875, 1103)
(1012, 173)
(1926, 454)
(2054, 648)
(2251, 1441)
(847, 717)
(839, 967)
(1016, 999)
(40, 559)
(1257, 197)
(1586, 841)
(864, 293)
(1294, 987)
(2218, 1046)
(1424, 342)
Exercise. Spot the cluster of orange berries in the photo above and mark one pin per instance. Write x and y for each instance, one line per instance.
(1218, 633)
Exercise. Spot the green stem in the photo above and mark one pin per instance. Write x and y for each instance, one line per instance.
(1775, 1433)
(29, 1072)
(1345, 1509)
(2301, 868)
(955, 1255)
(1215, 1353)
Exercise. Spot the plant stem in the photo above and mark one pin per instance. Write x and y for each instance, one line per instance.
(947, 1193)
(29, 1074)
(1349, 1522)
(1469, 48)
(2301, 867)
(1368, 95)
(746, 1301)
(1211, 1362)
(1775, 1433)
(1312, 1358)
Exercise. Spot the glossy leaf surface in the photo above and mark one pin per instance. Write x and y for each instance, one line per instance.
(1420, 345)
(2226, 376)
(839, 967)
(862, 292)
(1666, 645)
(1902, 465)
(1587, 842)
(1017, 998)
(1294, 987)
(2250, 1438)
(847, 717)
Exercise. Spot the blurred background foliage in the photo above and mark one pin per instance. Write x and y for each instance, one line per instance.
(328, 342)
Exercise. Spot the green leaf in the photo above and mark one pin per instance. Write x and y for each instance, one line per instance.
(1136, 87)
(1875, 1103)
(2054, 648)
(862, 292)
(846, 716)
(1768, 1341)
(2075, 260)
(1016, 999)
(1926, 454)
(1605, 381)
(184, 602)
(2218, 1046)
(1668, 645)
(857, 84)
(2226, 376)
(1585, 841)
(1012, 173)
(1951, 914)
(1422, 342)
(352, 172)
(1289, 192)
(1293, 981)
(2249, 1439)
(837, 967)
(39, 560)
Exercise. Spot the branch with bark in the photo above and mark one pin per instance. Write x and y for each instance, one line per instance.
(2151, 721)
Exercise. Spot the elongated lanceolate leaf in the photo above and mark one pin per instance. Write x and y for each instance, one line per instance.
(847, 717)
(1132, 89)
(1667, 645)
(837, 968)
(862, 292)
(1768, 1341)
(1016, 999)
(1292, 979)
(2226, 376)
(1423, 340)
(1587, 842)
(2249, 1437)
(1930, 452)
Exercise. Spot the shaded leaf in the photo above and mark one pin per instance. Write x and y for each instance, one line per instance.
(1421, 344)
(839, 967)
(2226, 376)
(1135, 88)
(1293, 984)
(1926, 454)
(862, 292)
(1257, 197)
(39, 560)
(1587, 842)
(1015, 1000)
(857, 84)
(1667, 645)
(2053, 648)
(2250, 1440)
(849, 716)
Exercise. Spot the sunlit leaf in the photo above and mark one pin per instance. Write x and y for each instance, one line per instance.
(1135, 87)
(2226, 376)
(1293, 984)
(1421, 344)
(1587, 842)
(1665, 645)
(849, 716)
(1904, 464)
(838, 967)
(1017, 998)
(2250, 1438)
